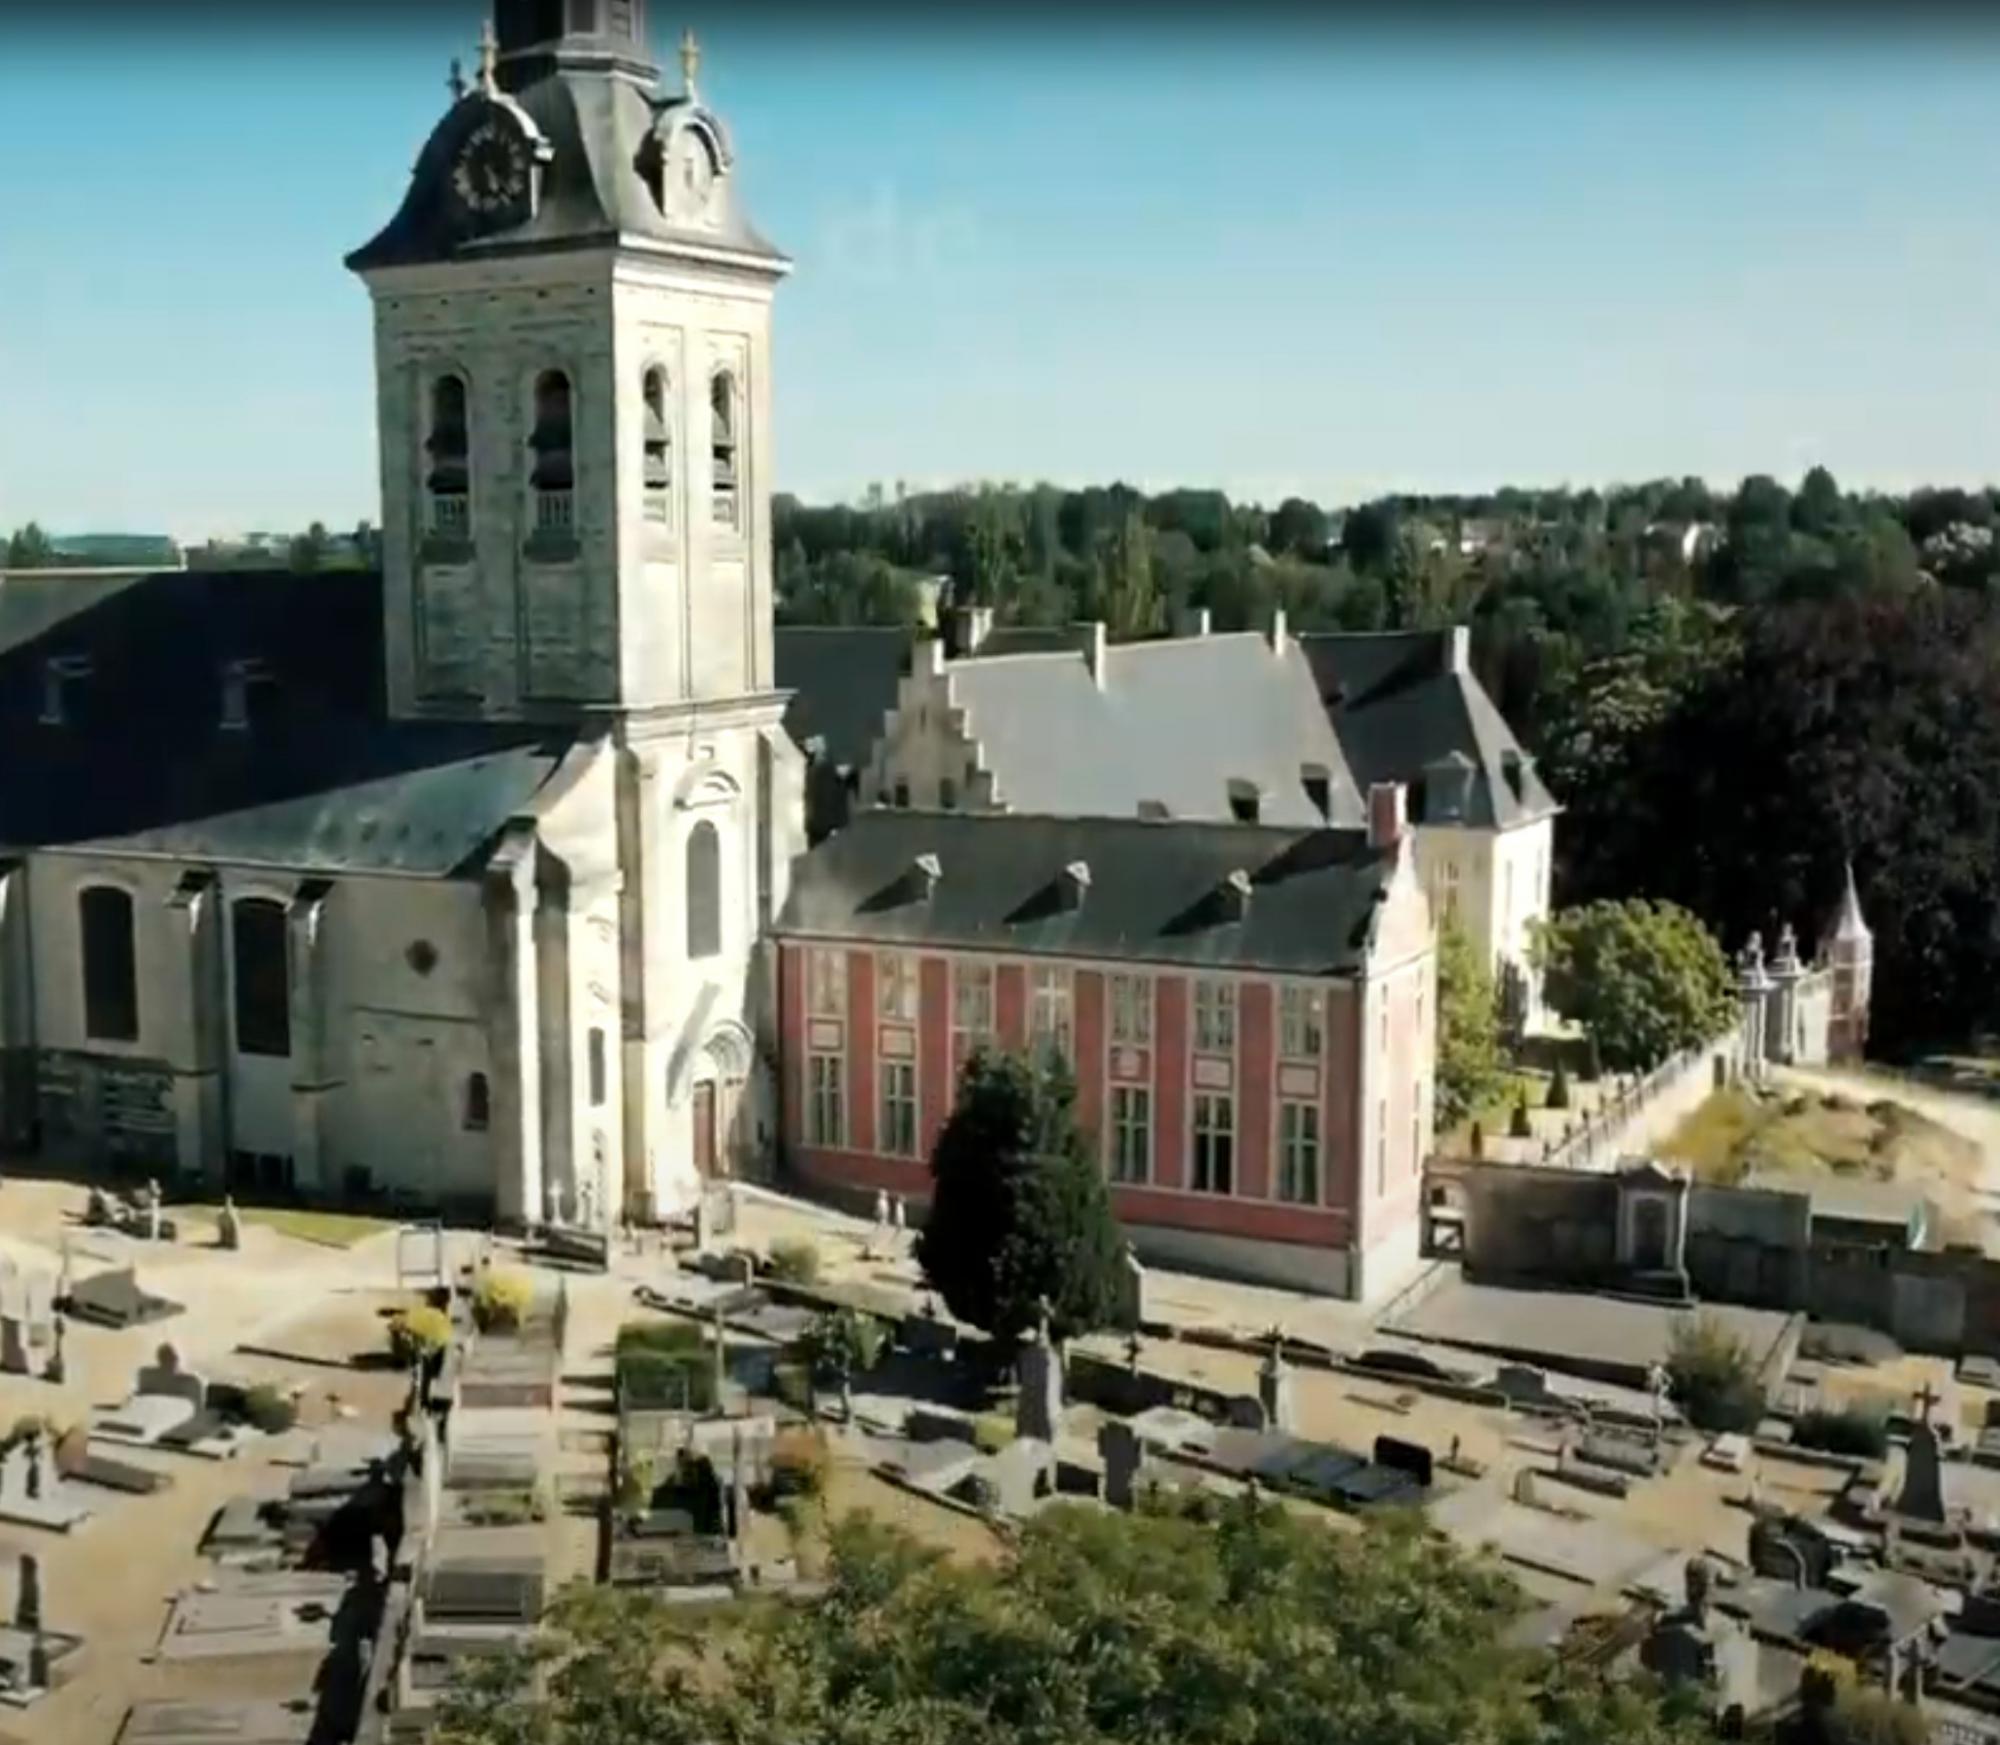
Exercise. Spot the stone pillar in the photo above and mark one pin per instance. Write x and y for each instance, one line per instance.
(562, 1148)
(198, 1053)
(1274, 1389)
(1038, 1410)
(513, 1026)
(313, 1080)
(28, 1596)
(638, 806)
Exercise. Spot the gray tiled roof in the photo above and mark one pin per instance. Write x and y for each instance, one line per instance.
(843, 682)
(1156, 891)
(1174, 722)
(1402, 705)
(321, 780)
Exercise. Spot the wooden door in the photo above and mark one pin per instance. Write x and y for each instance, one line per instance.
(704, 1128)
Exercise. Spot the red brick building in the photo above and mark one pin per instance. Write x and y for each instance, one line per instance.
(1249, 1012)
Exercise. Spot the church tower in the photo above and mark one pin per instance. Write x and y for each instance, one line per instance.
(572, 341)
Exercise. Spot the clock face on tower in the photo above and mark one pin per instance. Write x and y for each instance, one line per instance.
(687, 180)
(490, 176)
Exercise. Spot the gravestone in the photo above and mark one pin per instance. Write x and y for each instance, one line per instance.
(1413, 1458)
(1274, 1386)
(152, 1210)
(1922, 1495)
(228, 1227)
(28, 1596)
(57, 1368)
(1524, 1491)
(1124, 1457)
(166, 1376)
(1246, 1412)
(1038, 1409)
(13, 1345)
(1131, 1290)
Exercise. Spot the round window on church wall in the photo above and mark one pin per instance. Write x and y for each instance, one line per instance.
(422, 956)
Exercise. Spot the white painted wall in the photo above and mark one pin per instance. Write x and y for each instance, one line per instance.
(1495, 882)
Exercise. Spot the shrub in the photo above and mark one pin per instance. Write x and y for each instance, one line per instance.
(992, 1431)
(417, 1334)
(1714, 1377)
(268, 1410)
(799, 1463)
(1857, 1430)
(635, 1485)
(1558, 1097)
(796, 1262)
(1518, 1124)
(501, 1301)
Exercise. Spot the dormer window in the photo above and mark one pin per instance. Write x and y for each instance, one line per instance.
(448, 485)
(1245, 803)
(552, 471)
(237, 678)
(722, 421)
(658, 489)
(60, 677)
(1318, 785)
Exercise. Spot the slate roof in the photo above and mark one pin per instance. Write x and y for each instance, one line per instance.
(1402, 705)
(595, 126)
(1155, 893)
(322, 779)
(843, 681)
(1174, 722)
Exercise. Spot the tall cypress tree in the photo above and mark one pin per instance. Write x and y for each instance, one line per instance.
(1019, 1210)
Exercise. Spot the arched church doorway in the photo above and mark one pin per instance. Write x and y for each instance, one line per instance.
(1649, 1236)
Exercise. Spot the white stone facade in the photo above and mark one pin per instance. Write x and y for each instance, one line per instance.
(1495, 885)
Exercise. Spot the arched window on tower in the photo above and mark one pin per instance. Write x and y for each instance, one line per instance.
(110, 965)
(722, 419)
(659, 481)
(553, 472)
(262, 975)
(449, 482)
(704, 891)
(478, 1103)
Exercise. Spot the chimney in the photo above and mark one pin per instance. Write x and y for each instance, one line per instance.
(1093, 649)
(60, 676)
(1234, 895)
(1073, 884)
(1280, 629)
(1458, 649)
(1385, 815)
(1194, 621)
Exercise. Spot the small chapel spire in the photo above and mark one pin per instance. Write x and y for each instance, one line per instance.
(455, 80)
(690, 62)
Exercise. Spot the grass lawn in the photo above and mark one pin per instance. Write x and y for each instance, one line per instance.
(1733, 1133)
(328, 1229)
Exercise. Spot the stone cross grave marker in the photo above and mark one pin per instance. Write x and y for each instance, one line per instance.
(1038, 1409)
(28, 1595)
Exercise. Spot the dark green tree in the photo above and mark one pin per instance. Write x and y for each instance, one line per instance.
(29, 548)
(1713, 1377)
(308, 550)
(1644, 979)
(1206, 1620)
(1019, 1210)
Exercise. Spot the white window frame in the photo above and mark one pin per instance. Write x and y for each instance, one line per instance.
(1214, 1141)
(896, 989)
(1298, 1152)
(1051, 1009)
(826, 982)
(1301, 1021)
(1132, 1010)
(826, 1099)
(1214, 1016)
(1131, 1135)
(898, 1098)
(972, 1002)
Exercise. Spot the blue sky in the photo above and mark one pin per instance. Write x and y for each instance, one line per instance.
(1232, 249)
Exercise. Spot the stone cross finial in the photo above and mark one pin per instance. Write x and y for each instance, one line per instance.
(455, 80)
(489, 58)
(1926, 1397)
(690, 62)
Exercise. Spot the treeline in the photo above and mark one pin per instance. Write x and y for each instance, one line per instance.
(1549, 579)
